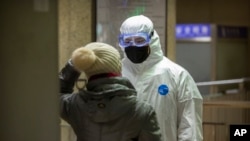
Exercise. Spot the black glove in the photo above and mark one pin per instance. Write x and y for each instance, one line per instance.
(67, 77)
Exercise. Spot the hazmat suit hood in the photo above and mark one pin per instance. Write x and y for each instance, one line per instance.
(138, 24)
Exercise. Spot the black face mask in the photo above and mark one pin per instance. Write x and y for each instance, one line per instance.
(137, 54)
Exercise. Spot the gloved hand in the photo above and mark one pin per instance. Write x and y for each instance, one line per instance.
(67, 77)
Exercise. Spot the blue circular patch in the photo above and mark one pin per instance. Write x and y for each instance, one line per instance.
(163, 89)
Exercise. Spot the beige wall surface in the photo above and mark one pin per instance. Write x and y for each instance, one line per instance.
(75, 25)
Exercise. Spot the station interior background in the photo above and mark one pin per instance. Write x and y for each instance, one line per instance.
(38, 36)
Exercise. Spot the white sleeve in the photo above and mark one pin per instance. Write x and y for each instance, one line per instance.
(190, 105)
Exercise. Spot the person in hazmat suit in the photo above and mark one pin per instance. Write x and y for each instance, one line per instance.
(106, 108)
(167, 86)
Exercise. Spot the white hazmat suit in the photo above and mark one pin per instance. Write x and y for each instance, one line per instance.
(168, 87)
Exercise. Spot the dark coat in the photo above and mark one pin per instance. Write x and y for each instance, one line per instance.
(109, 111)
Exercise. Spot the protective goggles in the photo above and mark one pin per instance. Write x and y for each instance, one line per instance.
(137, 39)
